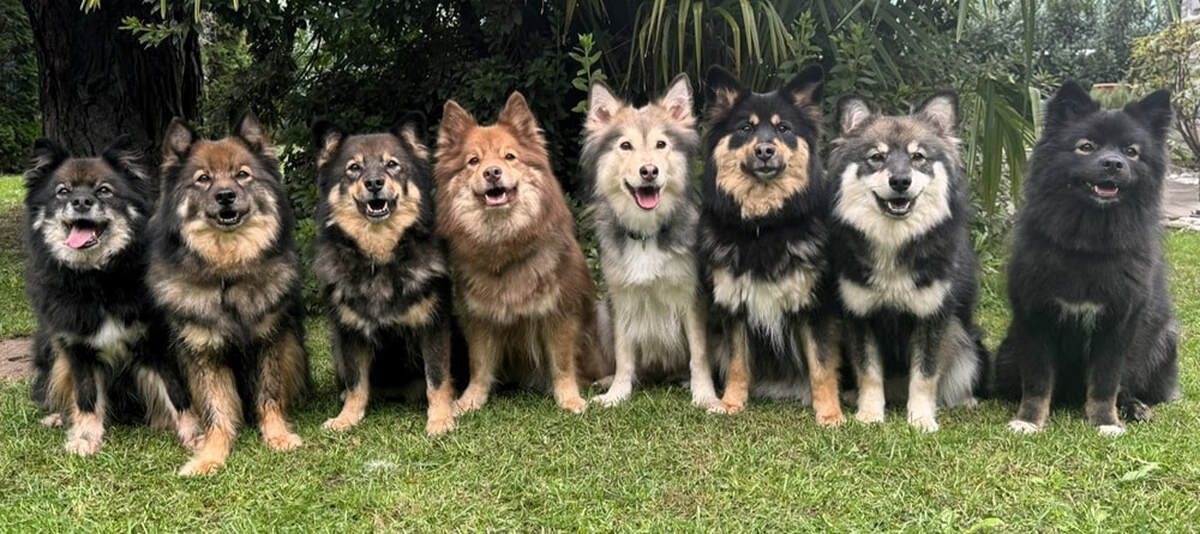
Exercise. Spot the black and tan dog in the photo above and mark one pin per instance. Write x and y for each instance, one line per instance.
(99, 349)
(225, 270)
(762, 243)
(384, 270)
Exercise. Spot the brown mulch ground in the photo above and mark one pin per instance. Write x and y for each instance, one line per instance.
(15, 355)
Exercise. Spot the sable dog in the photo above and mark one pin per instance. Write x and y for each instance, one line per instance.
(384, 270)
(526, 295)
(646, 212)
(763, 236)
(906, 269)
(225, 270)
(1092, 315)
(99, 350)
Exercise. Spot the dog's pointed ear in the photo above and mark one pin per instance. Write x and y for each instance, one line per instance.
(1154, 111)
(327, 138)
(251, 130)
(941, 110)
(602, 107)
(47, 156)
(411, 130)
(1069, 103)
(853, 112)
(517, 115)
(722, 91)
(125, 157)
(677, 101)
(455, 123)
(177, 141)
(807, 88)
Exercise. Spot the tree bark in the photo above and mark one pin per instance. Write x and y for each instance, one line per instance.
(98, 82)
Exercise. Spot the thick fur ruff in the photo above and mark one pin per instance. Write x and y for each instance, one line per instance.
(1092, 319)
(906, 268)
(763, 238)
(384, 271)
(526, 297)
(635, 156)
(100, 348)
(230, 290)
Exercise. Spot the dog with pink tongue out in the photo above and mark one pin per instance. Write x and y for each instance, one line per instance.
(646, 212)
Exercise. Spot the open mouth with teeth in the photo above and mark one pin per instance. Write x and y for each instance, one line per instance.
(1106, 190)
(645, 196)
(765, 172)
(229, 218)
(377, 208)
(896, 207)
(497, 196)
(84, 233)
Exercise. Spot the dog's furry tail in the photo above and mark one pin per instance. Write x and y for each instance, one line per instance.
(983, 385)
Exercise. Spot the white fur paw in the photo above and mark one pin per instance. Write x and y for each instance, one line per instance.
(200, 466)
(574, 405)
(612, 398)
(83, 445)
(969, 402)
(54, 420)
(1023, 427)
(469, 403)
(341, 423)
(706, 402)
(283, 441)
(1111, 430)
(437, 427)
(924, 423)
(869, 417)
(727, 407)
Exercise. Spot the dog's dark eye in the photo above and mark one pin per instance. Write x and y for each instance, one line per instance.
(1131, 151)
(877, 157)
(242, 175)
(104, 191)
(203, 179)
(660, 144)
(626, 146)
(747, 127)
(783, 128)
(918, 157)
(392, 164)
(62, 191)
(473, 161)
(510, 156)
(1086, 147)
(354, 167)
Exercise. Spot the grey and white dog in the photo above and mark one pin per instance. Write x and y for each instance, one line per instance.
(645, 207)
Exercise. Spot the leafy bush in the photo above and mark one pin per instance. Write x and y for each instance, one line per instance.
(1170, 59)
(20, 122)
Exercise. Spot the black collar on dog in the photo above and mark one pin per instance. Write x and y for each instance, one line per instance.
(638, 236)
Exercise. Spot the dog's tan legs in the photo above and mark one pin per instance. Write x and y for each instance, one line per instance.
(704, 394)
(216, 399)
(869, 369)
(485, 357)
(162, 411)
(823, 360)
(281, 376)
(358, 386)
(737, 383)
(622, 384)
(562, 344)
(435, 349)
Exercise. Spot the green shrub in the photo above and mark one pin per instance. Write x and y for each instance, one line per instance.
(20, 123)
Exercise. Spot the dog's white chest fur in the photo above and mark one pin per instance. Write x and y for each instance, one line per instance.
(1084, 313)
(652, 290)
(890, 285)
(765, 302)
(114, 339)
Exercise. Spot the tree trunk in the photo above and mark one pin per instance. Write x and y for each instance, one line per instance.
(98, 82)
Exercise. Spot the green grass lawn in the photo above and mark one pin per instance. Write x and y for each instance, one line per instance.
(653, 463)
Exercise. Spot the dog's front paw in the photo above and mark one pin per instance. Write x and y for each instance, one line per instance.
(1136, 410)
(612, 398)
(200, 466)
(439, 426)
(1023, 427)
(83, 444)
(341, 423)
(469, 402)
(831, 418)
(53, 420)
(923, 422)
(869, 417)
(575, 405)
(1111, 430)
(728, 407)
(283, 441)
(708, 402)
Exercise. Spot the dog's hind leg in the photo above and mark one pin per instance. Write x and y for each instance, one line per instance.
(562, 343)
(823, 360)
(737, 380)
(282, 372)
(220, 409)
(353, 355)
(435, 349)
(704, 394)
(622, 383)
(86, 413)
(868, 367)
(484, 355)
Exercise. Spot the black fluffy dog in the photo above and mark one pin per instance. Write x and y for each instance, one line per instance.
(100, 346)
(1092, 317)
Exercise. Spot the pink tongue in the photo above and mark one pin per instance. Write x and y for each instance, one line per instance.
(646, 201)
(80, 237)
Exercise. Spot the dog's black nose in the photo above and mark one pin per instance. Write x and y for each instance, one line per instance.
(900, 183)
(492, 174)
(225, 197)
(764, 151)
(373, 185)
(1112, 164)
(82, 203)
(649, 172)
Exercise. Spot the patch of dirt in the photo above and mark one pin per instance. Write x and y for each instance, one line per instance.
(15, 358)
